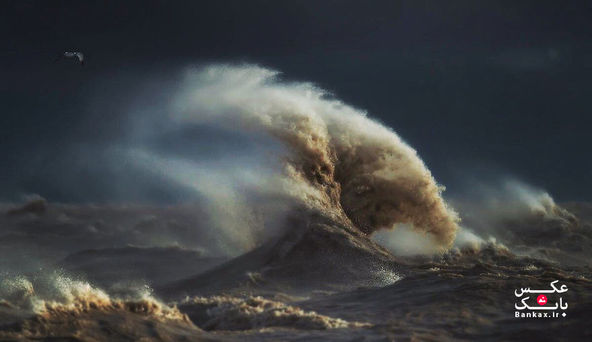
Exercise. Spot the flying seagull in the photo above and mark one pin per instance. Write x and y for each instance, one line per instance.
(69, 54)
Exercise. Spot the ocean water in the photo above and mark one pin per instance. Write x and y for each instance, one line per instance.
(321, 281)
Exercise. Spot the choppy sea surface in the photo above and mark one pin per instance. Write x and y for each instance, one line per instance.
(132, 272)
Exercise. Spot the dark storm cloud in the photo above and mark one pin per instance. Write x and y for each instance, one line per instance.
(466, 83)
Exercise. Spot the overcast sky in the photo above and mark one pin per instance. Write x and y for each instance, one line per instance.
(487, 88)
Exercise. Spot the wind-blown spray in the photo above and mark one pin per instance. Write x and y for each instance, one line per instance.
(340, 162)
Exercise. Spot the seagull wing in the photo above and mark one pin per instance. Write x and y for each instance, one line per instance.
(70, 54)
(80, 56)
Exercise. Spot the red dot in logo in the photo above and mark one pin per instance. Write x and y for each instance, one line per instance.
(542, 299)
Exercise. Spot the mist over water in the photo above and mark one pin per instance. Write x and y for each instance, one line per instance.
(254, 150)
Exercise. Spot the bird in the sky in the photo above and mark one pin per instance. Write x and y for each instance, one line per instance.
(69, 54)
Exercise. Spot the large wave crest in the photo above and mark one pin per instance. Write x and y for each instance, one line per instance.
(339, 161)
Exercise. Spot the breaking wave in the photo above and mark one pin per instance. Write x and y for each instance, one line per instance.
(46, 303)
(233, 313)
(339, 161)
(55, 295)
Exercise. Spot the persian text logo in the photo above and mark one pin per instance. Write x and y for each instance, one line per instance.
(540, 309)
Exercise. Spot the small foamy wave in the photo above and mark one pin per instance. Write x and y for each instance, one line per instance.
(55, 294)
(233, 313)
